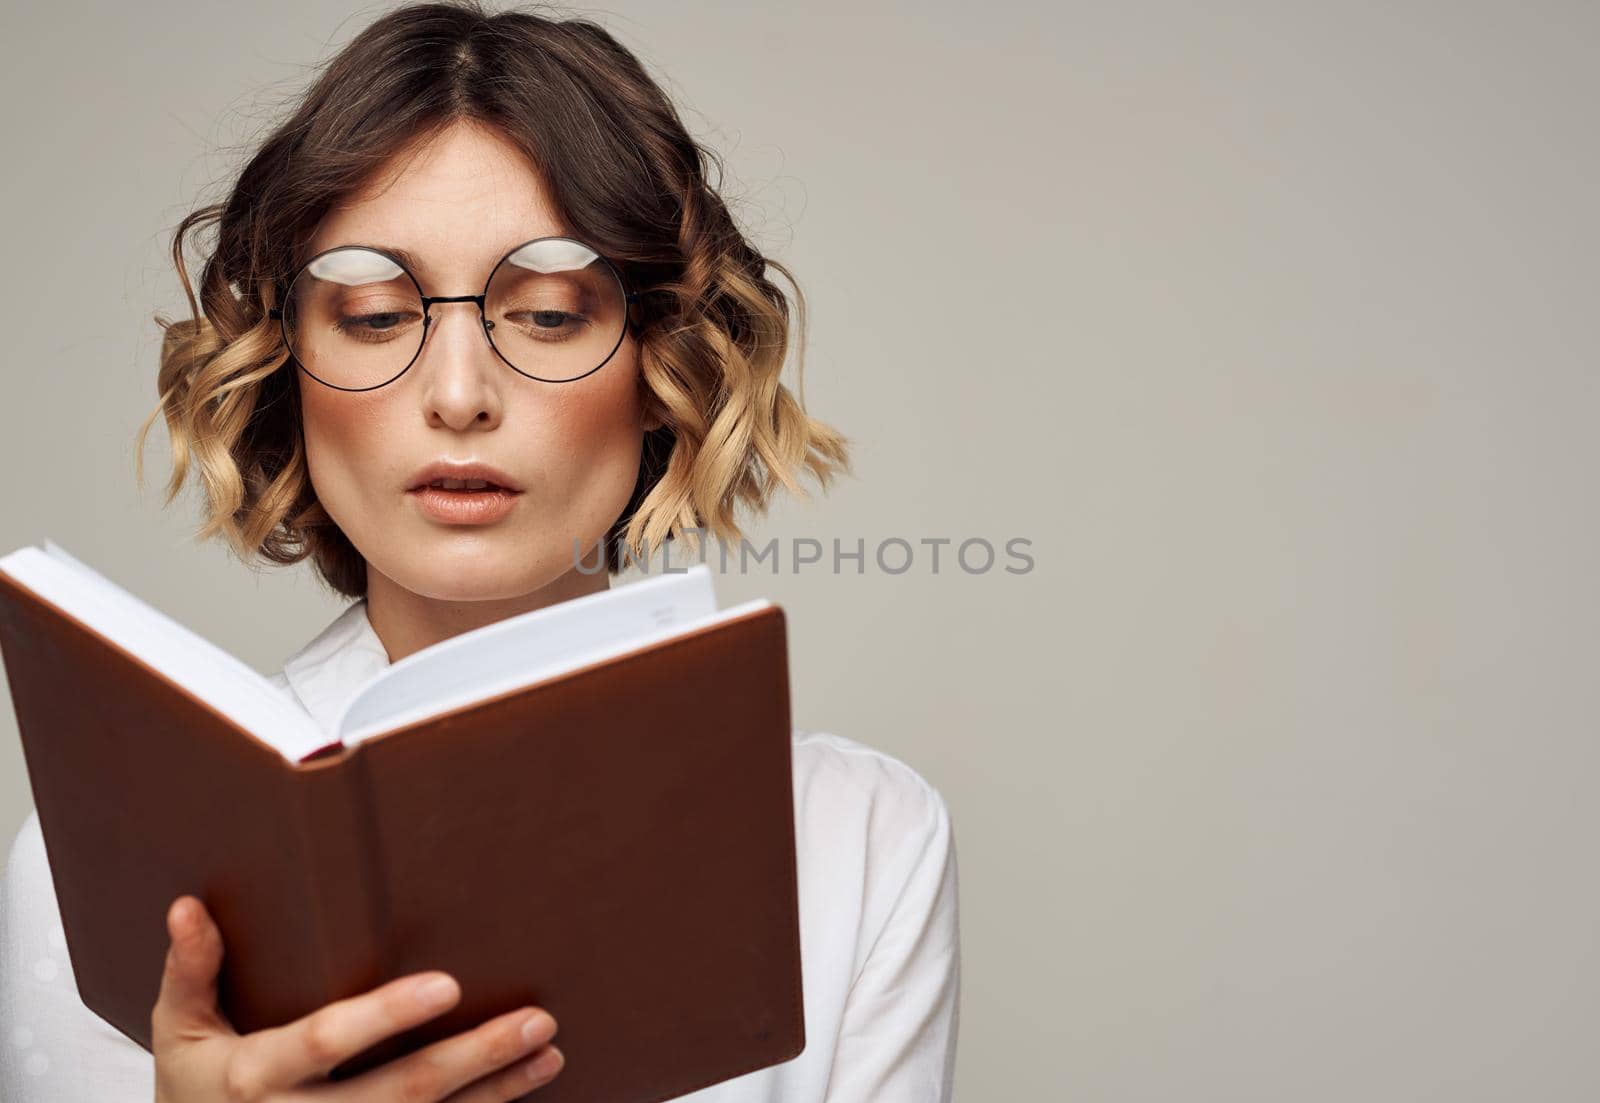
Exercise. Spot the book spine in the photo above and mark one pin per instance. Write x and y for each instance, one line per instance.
(343, 878)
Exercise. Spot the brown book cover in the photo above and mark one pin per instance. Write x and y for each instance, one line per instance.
(614, 844)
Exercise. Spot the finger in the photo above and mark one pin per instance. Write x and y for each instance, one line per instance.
(437, 1070)
(514, 1082)
(186, 1005)
(310, 1046)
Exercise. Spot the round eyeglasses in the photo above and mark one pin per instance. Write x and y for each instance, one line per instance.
(553, 309)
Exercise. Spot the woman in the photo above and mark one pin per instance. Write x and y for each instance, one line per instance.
(474, 322)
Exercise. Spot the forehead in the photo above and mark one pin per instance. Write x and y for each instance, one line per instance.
(447, 206)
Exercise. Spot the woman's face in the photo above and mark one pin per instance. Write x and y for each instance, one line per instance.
(458, 206)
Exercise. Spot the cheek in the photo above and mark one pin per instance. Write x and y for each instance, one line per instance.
(345, 435)
(593, 435)
(589, 416)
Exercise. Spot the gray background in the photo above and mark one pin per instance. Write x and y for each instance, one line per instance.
(1271, 326)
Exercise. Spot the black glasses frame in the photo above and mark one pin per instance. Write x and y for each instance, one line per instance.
(629, 298)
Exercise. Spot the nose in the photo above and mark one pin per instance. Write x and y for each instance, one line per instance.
(461, 374)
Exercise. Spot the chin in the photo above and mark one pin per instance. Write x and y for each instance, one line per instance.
(435, 586)
(477, 566)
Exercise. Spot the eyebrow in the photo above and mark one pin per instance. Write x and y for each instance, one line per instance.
(404, 256)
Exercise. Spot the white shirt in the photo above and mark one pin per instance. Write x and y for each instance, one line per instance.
(879, 935)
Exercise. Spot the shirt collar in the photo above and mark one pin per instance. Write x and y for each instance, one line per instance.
(327, 672)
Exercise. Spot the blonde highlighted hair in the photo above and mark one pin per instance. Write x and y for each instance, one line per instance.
(713, 329)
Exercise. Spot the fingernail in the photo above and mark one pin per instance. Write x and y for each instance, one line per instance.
(549, 1060)
(537, 1026)
(435, 992)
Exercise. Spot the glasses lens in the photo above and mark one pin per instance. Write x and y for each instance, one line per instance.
(353, 318)
(556, 309)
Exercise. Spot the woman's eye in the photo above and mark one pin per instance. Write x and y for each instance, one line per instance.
(549, 322)
(372, 323)
(551, 318)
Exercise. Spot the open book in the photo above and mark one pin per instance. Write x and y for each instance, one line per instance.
(504, 656)
(588, 807)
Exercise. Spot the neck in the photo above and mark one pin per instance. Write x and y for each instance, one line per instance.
(406, 622)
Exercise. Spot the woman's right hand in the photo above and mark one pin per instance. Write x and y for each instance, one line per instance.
(200, 1058)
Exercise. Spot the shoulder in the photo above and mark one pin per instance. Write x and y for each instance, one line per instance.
(875, 849)
(835, 768)
(852, 796)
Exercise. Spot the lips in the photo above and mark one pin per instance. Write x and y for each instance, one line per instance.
(463, 476)
(464, 484)
(465, 507)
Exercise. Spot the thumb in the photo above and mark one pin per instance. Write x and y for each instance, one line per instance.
(187, 1002)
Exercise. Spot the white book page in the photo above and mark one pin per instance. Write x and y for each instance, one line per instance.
(201, 667)
(524, 649)
(545, 670)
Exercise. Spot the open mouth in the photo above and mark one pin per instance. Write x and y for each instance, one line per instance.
(465, 501)
(465, 485)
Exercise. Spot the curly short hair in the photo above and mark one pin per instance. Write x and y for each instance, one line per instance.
(623, 171)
